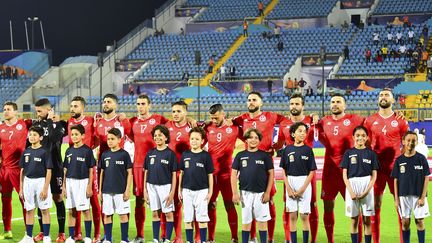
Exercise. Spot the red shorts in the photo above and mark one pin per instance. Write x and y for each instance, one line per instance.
(138, 181)
(222, 183)
(95, 181)
(9, 179)
(383, 178)
(332, 182)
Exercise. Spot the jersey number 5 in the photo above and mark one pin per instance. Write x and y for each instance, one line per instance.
(336, 130)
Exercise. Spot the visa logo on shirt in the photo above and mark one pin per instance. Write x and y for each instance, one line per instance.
(164, 161)
(304, 157)
(80, 159)
(119, 162)
(418, 167)
(200, 165)
(37, 159)
(367, 161)
(259, 162)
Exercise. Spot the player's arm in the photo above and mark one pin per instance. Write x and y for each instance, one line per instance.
(89, 191)
(290, 191)
(280, 141)
(266, 196)
(234, 187)
(101, 182)
(44, 194)
(370, 185)
(180, 195)
(348, 184)
(58, 131)
(210, 189)
(306, 183)
(21, 193)
(126, 194)
(126, 124)
(422, 198)
(396, 192)
(146, 196)
(64, 194)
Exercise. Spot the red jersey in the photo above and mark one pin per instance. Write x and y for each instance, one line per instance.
(103, 126)
(87, 123)
(336, 136)
(141, 136)
(13, 142)
(265, 123)
(179, 138)
(284, 133)
(221, 143)
(386, 135)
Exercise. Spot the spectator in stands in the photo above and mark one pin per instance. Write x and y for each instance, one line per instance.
(410, 36)
(182, 32)
(131, 90)
(402, 49)
(138, 91)
(280, 45)
(222, 72)
(232, 71)
(296, 85)
(277, 32)
(264, 35)
(425, 32)
(1, 71)
(376, 38)
(162, 31)
(429, 66)
(175, 57)
(309, 91)
(399, 36)
(211, 64)
(289, 86)
(270, 86)
(368, 54)
(301, 83)
(245, 28)
(401, 101)
(348, 90)
(406, 22)
(185, 76)
(384, 51)
(260, 8)
(8, 71)
(421, 146)
(361, 25)
(346, 52)
(389, 26)
(319, 88)
(413, 65)
(345, 25)
(378, 56)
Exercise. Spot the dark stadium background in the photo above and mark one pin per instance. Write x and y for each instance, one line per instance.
(78, 27)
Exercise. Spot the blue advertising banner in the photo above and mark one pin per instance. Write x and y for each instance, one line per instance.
(156, 88)
(248, 86)
(396, 19)
(349, 4)
(363, 84)
(301, 23)
(186, 11)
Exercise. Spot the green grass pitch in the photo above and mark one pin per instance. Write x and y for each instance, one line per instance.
(389, 226)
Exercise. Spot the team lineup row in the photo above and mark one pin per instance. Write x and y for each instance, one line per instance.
(385, 131)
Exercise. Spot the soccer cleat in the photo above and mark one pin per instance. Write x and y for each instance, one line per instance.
(78, 237)
(87, 240)
(234, 241)
(123, 241)
(253, 241)
(26, 239)
(155, 241)
(61, 238)
(38, 237)
(105, 241)
(46, 239)
(167, 241)
(69, 240)
(138, 240)
(286, 241)
(6, 235)
(97, 239)
(270, 241)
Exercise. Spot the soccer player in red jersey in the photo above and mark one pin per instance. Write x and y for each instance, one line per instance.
(13, 135)
(76, 109)
(386, 130)
(296, 104)
(221, 139)
(142, 125)
(335, 133)
(179, 142)
(265, 122)
(110, 119)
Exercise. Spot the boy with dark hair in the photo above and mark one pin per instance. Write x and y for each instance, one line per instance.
(35, 191)
(115, 184)
(298, 162)
(411, 178)
(77, 187)
(196, 184)
(254, 169)
(160, 167)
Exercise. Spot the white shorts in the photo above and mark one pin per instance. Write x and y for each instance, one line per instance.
(408, 204)
(157, 195)
(76, 190)
(253, 208)
(113, 203)
(365, 205)
(32, 188)
(195, 206)
(302, 204)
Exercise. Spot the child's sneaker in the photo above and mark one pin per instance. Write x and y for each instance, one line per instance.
(70, 240)
(87, 240)
(46, 239)
(26, 239)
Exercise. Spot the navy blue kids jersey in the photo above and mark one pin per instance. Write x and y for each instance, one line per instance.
(196, 167)
(78, 161)
(359, 162)
(298, 160)
(115, 166)
(410, 173)
(35, 162)
(160, 164)
(253, 168)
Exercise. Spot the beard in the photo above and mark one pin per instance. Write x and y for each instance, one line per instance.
(253, 110)
(295, 112)
(337, 112)
(385, 104)
(108, 111)
(76, 115)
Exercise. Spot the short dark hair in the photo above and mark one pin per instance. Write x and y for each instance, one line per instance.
(80, 99)
(409, 133)
(255, 93)
(298, 95)
(164, 130)
(37, 129)
(339, 95)
(111, 96)
(360, 128)
(180, 103)
(144, 96)
(215, 108)
(80, 128)
(13, 104)
(388, 89)
(294, 128)
(116, 132)
(43, 102)
(251, 130)
(199, 130)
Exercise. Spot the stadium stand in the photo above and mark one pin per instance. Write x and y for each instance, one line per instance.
(226, 10)
(80, 59)
(291, 9)
(11, 89)
(403, 7)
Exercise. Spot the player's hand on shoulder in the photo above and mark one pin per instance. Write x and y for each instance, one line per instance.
(122, 116)
(265, 197)
(315, 118)
(192, 122)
